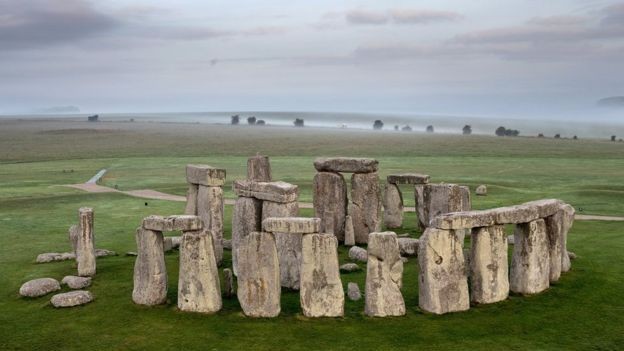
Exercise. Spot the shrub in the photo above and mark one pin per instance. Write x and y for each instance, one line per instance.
(500, 131)
(378, 124)
(429, 129)
(235, 119)
(298, 122)
(396, 127)
(251, 120)
(467, 130)
(557, 136)
(613, 138)
(540, 135)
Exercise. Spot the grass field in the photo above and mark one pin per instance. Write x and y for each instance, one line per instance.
(583, 311)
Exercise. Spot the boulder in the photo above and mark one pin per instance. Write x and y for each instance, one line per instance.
(393, 206)
(205, 175)
(85, 245)
(246, 218)
(357, 253)
(366, 205)
(330, 202)
(346, 165)
(39, 287)
(408, 246)
(191, 200)
(259, 168)
(384, 276)
(349, 267)
(104, 253)
(481, 190)
(74, 282)
(55, 256)
(210, 207)
(530, 266)
(270, 191)
(404, 259)
(293, 225)
(288, 245)
(71, 299)
(489, 281)
(408, 178)
(150, 272)
(172, 223)
(353, 291)
(228, 283)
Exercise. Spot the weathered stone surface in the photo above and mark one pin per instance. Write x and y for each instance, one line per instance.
(227, 244)
(150, 273)
(71, 299)
(353, 291)
(258, 276)
(191, 200)
(545, 207)
(104, 253)
(572, 255)
(199, 289)
(176, 241)
(205, 175)
(228, 283)
(349, 236)
(270, 191)
(55, 256)
(366, 205)
(514, 214)
(349, 267)
(171, 223)
(530, 266)
(404, 259)
(74, 234)
(346, 165)
(384, 276)
(75, 282)
(288, 245)
(440, 199)
(167, 244)
(466, 202)
(464, 220)
(259, 168)
(210, 208)
(554, 230)
(568, 221)
(246, 218)
(85, 245)
(293, 225)
(39, 287)
(358, 254)
(393, 206)
(419, 203)
(408, 178)
(481, 190)
(321, 288)
(330, 202)
(408, 246)
(489, 270)
(510, 240)
(443, 284)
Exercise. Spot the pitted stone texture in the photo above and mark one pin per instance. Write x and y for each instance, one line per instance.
(330, 202)
(408, 246)
(349, 267)
(321, 288)
(346, 165)
(419, 203)
(568, 221)
(191, 200)
(72, 298)
(210, 210)
(39, 287)
(74, 234)
(366, 205)
(150, 272)
(228, 283)
(440, 199)
(270, 191)
(74, 282)
(489, 270)
(408, 178)
(384, 276)
(259, 168)
(171, 223)
(481, 190)
(205, 175)
(293, 225)
(353, 291)
(246, 218)
(288, 245)
(85, 245)
(258, 276)
(393, 206)
(358, 254)
(443, 284)
(199, 289)
(349, 236)
(530, 266)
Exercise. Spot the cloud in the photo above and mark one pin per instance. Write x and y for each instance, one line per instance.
(366, 17)
(399, 16)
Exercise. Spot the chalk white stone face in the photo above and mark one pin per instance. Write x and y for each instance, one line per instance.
(321, 288)
(199, 289)
(259, 287)
(384, 276)
(85, 245)
(259, 168)
(393, 206)
(39, 287)
(71, 299)
(150, 272)
(293, 225)
(210, 208)
(489, 270)
(346, 165)
(288, 245)
(330, 202)
(205, 175)
(270, 191)
(443, 284)
(530, 263)
(246, 218)
(365, 205)
(191, 200)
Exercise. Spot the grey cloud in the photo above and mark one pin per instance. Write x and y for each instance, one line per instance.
(399, 16)
(366, 17)
(558, 21)
(614, 15)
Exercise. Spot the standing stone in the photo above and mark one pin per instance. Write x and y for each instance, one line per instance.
(288, 245)
(419, 202)
(568, 221)
(85, 246)
(150, 273)
(366, 200)
(199, 289)
(393, 206)
(74, 234)
(259, 168)
(321, 289)
(554, 230)
(191, 200)
(466, 202)
(443, 285)
(489, 280)
(228, 280)
(353, 291)
(330, 200)
(384, 276)
(246, 218)
(440, 199)
(530, 266)
(210, 210)
(258, 276)
(349, 239)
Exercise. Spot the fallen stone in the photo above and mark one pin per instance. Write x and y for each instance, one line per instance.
(489, 269)
(346, 165)
(481, 190)
(191, 200)
(349, 237)
(205, 175)
(71, 299)
(131, 253)
(172, 223)
(246, 218)
(259, 168)
(39, 287)
(227, 244)
(358, 254)
(349, 267)
(104, 253)
(384, 276)
(404, 235)
(75, 282)
(85, 246)
(228, 283)
(176, 241)
(210, 207)
(288, 245)
(530, 268)
(572, 255)
(167, 244)
(408, 246)
(393, 206)
(150, 272)
(366, 205)
(281, 192)
(293, 225)
(353, 291)
(330, 202)
(55, 256)
(408, 178)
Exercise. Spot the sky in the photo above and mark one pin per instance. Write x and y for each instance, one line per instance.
(512, 58)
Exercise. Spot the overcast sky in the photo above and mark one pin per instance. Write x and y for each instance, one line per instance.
(518, 58)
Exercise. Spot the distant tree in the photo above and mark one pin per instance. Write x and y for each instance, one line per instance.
(378, 124)
(235, 119)
(406, 128)
(613, 138)
(467, 130)
(396, 127)
(500, 131)
(251, 120)
(131, 119)
(260, 122)
(515, 132)
(557, 136)
(429, 129)
(540, 135)
(575, 137)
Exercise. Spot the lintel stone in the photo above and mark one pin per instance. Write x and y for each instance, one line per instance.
(281, 192)
(346, 165)
(171, 223)
(205, 175)
(293, 225)
(408, 178)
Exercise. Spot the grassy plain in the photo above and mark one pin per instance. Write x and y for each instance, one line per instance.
(583, 311)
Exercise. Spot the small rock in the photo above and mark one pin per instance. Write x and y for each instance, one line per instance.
(353, 291)
(131, 253)
(55, 256)
(227, 244)
(349, 267)
(404, 259)
(39, 287)
(72, 298)
(104, 252)
(357, 253)
(572, 255)
(408, 246)
(75, 282)
(481, 190)
(510, 239)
